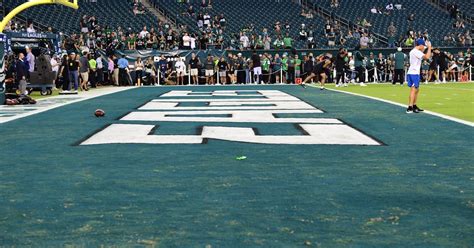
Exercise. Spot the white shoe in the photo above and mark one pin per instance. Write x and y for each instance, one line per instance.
(345, 84)
(363, 85)
(337, 85)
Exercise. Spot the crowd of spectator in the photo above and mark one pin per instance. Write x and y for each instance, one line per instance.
(82, 71)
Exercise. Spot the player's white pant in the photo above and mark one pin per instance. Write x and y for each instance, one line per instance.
(257, 72)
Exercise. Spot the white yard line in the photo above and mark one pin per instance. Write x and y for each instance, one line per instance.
(468, 123)
(63, 100)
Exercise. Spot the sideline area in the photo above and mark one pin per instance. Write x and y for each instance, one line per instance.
(9, 113)
(451, 99)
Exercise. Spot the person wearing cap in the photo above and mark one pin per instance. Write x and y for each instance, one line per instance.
(73, 69)
(399, 73)
(414, 78)
(123, 67)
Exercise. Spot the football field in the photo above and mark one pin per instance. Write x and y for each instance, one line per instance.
(248, 166)
(452, 99)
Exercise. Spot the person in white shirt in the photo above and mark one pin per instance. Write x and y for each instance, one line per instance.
(100, 70)
(413, 75)
(55, 67)
(186, 41)
(192, 40)
(30, 29)
(389, 7)
(180, 68)
(139, 66)
(144, 33)
(244, 41)
(364, 41)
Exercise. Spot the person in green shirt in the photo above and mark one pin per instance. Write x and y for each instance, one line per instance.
(399, 74)
(359, 65)
(131, 42)
(278, 43)
(284, 67)
(297, 66)
(409, 42)
(288, 41)
(92, 70)
(291, 70)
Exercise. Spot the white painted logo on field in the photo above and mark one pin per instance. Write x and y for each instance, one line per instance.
(226, 107)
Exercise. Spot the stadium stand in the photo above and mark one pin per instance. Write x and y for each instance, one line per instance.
(119, 13)
(239, 16)
(426, 16)
(112, 13)
(465, 7)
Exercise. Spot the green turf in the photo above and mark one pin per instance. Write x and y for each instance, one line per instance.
(416, 191)
(452, 99)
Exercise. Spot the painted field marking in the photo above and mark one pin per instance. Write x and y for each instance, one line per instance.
(55, 102)
(468, 123)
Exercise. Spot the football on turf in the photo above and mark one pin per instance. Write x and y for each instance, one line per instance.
(99, 113)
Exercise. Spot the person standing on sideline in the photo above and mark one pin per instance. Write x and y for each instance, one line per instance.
(84, 70)
(64, 74)
(340, 65)
(257, 67)
(194, 68)
(116, 70)
(413, 75)
(30, 60)
(110, 69)
(180, 71)
(358, 63)
(222, 66)
(138, 71)
(55, 68)
(73, 69)
(123, 66)
(399, 60)
(100, 70)
(93, 70)
(21, 73)
(266, 69)
(209, 66)
(298, 64)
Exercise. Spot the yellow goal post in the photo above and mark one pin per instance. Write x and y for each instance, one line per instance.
(69, 3)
